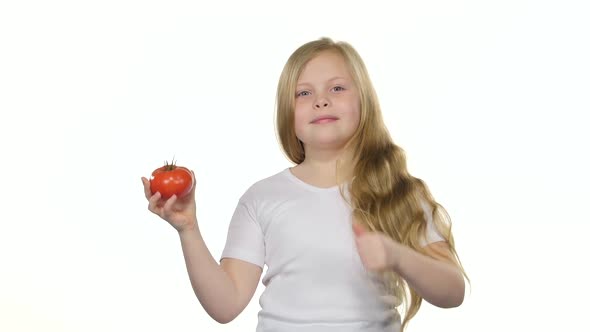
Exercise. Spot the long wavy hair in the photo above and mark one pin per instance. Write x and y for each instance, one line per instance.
(384, 196)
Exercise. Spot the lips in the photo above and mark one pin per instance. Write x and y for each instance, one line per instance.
(324, 117)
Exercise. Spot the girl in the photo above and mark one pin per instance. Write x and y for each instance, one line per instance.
(348, 235)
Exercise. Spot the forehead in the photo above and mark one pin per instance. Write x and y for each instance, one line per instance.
(324, 66)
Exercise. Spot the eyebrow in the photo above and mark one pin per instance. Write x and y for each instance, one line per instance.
(330, 80)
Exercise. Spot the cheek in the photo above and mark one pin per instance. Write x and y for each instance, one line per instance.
(298, 122)
(357, 117)
(353, 114)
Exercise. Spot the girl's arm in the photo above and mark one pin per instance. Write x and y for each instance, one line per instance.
(438, 280)
(223, 289)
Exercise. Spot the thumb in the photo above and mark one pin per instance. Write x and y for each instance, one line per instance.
(358, 229)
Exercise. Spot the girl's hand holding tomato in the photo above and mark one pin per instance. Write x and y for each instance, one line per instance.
(171, 195)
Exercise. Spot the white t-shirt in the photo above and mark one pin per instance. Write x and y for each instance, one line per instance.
(315, 280)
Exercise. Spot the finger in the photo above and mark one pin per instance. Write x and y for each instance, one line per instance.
(146, 187)
(167, 208)
(191, 194)
(358, 229)
(153, 203)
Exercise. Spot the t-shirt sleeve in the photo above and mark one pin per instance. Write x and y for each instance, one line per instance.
(432, 235)
(245, 240)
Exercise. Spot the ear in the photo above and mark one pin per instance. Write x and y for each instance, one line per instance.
(358, 229)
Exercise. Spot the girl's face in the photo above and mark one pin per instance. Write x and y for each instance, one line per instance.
(327, 103)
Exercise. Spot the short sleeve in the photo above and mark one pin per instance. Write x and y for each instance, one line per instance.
(432, 235)
(245, 240)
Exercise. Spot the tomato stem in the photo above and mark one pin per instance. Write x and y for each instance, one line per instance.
(171, 166)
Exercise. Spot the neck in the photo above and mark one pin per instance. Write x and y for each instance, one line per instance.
(324, 162)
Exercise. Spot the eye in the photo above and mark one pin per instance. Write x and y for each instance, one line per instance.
(338, 88)
(302, 93)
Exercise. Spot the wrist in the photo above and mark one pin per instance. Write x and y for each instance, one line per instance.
(396, 252)
(188, 229)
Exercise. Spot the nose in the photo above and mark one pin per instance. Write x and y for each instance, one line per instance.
(321, 102)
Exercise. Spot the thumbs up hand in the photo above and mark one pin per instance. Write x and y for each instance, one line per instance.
(376, 250)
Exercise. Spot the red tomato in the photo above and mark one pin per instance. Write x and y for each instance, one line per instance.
(172, 180)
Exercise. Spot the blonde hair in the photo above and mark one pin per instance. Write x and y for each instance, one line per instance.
(383, 195)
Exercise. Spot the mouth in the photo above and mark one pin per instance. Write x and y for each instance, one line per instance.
(324, 119)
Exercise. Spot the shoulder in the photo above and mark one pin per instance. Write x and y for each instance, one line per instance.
(263, 197)
(266, 187)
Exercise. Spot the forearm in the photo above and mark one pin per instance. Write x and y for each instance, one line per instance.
(438, 282)
(211, 284)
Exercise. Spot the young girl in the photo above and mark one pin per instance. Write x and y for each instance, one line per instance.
(348, 235)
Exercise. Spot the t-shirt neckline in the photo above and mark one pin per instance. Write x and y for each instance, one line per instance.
(306, 185)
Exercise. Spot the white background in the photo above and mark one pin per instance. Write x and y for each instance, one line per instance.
(488, 98)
